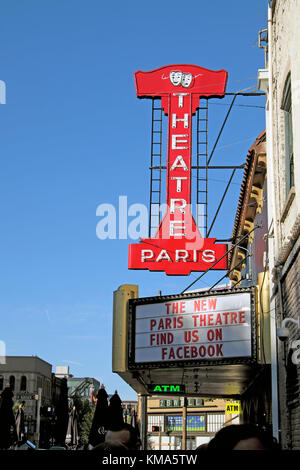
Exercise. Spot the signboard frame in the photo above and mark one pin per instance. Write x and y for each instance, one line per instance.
(167, 364)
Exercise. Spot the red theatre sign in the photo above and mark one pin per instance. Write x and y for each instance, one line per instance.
(178, 247)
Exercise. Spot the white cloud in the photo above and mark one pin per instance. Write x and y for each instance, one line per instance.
(72, 363)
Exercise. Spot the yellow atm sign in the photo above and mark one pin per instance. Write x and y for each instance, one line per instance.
(233, 408)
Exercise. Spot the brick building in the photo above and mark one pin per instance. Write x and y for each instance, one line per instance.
(281, 81)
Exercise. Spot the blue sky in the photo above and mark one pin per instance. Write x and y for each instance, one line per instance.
(73, 135)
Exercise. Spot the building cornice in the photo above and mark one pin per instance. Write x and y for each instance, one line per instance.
(250, 203)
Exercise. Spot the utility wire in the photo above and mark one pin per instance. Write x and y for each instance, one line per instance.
(216, 262)
(221, 130)
(227, 274)
(220, 205)
(239, 105)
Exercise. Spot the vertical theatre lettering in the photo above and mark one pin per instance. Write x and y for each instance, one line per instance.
(178, 247)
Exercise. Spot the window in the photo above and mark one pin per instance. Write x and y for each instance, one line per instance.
(174, 423)
(47, 388)
(1, 382)
(191, 443)
(39, 382)
(12, 381)
(154, 420)
(215, 422)
(193, 423)
(199, 402)
(288, 125)
(23, 383)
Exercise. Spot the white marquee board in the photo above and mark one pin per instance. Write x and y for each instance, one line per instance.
(215, 327)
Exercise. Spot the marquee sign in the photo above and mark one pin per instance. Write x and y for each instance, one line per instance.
(192, 329)
(178, 247)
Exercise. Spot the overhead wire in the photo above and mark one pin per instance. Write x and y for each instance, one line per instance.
(218, 260)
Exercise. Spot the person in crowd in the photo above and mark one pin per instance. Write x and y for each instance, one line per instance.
(112, 447)
(242, 437)
(124, 434)
(201, 448)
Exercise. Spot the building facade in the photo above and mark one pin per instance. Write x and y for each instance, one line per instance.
(166, 414)
(130, 411)
(35, 385)
(284, 72)
(281, 81)
(248, 266)
(25, 375)
(85, 388)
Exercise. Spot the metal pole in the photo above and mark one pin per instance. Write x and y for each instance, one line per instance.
(159, 437)
(144, 423)
(184, 413)
(38, 416)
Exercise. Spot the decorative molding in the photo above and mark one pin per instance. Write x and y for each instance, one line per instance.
(251, 201)
(288, 203)
(287, 247)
